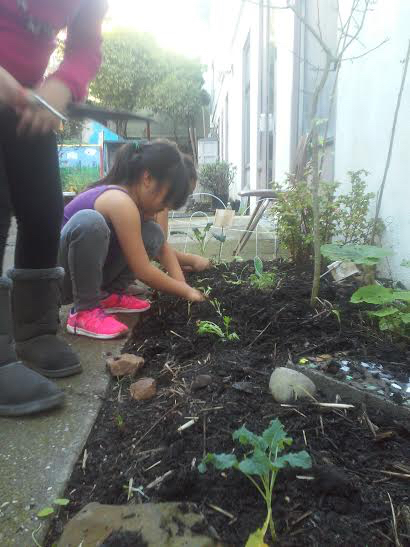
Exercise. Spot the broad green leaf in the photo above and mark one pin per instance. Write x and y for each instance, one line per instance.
(258, 264)
(220, 237)
(61, 501)
(258, 464)
(46, 512)
(383, 312)
(257, 539)
(389, 323)
(219, 461)
(275, 436)
(294, 459)
(404, 296)
(359, 254)
(405, 318)
(246, 437)
(373, 294)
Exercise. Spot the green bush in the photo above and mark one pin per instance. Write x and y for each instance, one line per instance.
(344, 218)
(216, 178)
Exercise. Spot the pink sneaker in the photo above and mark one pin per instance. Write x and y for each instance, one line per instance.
(95, 324)
(124, 303)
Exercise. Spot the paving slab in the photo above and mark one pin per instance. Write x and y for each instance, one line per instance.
(37, 454)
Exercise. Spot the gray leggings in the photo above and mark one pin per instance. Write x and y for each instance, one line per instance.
(93, 261)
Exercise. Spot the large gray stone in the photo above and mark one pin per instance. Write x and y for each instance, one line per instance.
(159, 525)
(287, 385)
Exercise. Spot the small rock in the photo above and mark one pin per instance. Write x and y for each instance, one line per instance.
(201, 381)
(144, 389)
(246, 387)
(287, 385)
(125, 365)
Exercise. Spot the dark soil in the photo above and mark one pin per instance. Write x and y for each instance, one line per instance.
(346, 501)
(124, 539)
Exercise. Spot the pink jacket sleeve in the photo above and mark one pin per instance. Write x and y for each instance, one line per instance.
(82, 57)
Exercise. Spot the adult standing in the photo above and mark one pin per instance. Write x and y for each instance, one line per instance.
(30, 187)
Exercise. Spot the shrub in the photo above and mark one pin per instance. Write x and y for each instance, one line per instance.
(216, 178)
(343, 219)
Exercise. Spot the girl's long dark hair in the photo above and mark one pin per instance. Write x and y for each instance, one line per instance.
(161, 159)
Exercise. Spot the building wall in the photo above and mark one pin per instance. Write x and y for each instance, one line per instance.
(366, 101)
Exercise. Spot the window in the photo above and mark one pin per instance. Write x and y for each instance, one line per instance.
(246, 121)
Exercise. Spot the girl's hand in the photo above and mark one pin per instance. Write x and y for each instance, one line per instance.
(198, 264)
(193, 295)
(11, 92)
(38, 120)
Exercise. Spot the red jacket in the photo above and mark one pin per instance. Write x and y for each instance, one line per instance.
(28, 30)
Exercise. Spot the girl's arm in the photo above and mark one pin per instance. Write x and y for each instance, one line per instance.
(188, 262)
(82, 57)
(168, 258)
(120, 210)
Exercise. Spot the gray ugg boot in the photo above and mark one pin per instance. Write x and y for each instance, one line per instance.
(22, 391)
(35, 304)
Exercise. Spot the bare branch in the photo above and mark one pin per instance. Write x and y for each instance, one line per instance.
(318, 20)
(367, 52)
(312, 31)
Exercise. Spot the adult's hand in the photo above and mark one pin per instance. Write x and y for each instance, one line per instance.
(11, 92)
(36, 120)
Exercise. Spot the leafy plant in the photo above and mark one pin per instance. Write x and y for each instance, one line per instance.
(199, 235)
(392, 307)
(216, 178)
(260, 279)
(261, 466)
(48, 511)
(344, 218)
(359, 254)
(209, 327)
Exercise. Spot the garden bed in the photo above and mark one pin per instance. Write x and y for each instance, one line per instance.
(345, 500)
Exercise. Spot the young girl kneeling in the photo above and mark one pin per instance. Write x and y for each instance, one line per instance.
(108, 238)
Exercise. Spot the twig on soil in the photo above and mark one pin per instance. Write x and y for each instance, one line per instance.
(158, 480)
(153, 465)
(85, 458)
(321, 424)
(155, 425)
(384, 535)
(204, 434)
(303, 517)
(187, 425)
(304, 437)
(398, 475)
(260, 334)
(394, 523)
(222, 511)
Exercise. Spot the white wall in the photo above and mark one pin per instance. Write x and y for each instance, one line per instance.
(367, 95)
(235, 27)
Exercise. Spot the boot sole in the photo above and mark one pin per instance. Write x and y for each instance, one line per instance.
(122, 310)
(82, 332)
(33, 407)
(62, 373)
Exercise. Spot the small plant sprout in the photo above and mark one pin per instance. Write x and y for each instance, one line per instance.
(217, 306)
(391, 307)
(199, 235)
(209, 327)
(48, 511)
(261, 465)
(260, 279)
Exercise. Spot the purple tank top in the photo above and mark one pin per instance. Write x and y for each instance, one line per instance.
(86, 200)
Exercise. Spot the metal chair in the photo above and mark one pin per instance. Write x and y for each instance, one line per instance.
(264, 197)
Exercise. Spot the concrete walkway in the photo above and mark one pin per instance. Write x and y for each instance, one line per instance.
(37, 454)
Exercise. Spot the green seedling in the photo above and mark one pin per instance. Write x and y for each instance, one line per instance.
(199, 235)
(261, 466)
(217, 306)
(391, 307)
(209, 327)
(235, 281)
(48, 511)
(119, 421)
(260, 279)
